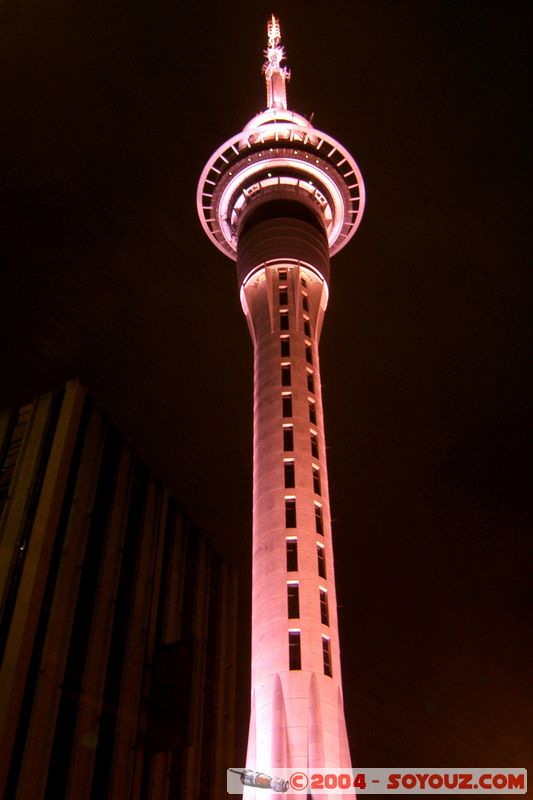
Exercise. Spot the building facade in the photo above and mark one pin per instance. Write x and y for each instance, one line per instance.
(279, 198)
(118, 620)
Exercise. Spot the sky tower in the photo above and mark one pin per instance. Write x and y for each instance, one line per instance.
(280, 197)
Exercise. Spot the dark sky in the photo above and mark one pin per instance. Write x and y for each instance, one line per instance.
(108, 112)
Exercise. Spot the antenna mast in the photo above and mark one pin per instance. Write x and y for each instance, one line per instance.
(276, 76)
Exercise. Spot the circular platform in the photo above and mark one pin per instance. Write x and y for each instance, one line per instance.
(279, 152)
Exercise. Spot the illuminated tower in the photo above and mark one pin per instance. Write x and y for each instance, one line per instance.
(280, 198)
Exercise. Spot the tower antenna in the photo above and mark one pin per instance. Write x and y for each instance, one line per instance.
(276, 76)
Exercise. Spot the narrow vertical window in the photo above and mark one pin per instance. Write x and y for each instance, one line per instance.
(327, 656)
(284, 320)
(316, 480)
(292, 555)
(310, 382)
(295, 658)
(285, 347)
(319, 524)
(314, 444)
(288, 439)
(283, 296)
(286, 375)
(308, 354)
(289, 474)
(307, 327)
(286, 403)
(312, 412)
(324, 611)
(293, 601)
(303, 282)
(290, 512)
(305, 302)
(321, 559)
(282, 274)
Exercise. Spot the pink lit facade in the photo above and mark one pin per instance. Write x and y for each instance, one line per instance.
(279, 198)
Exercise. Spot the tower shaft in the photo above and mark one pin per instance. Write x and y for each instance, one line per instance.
(297, 717)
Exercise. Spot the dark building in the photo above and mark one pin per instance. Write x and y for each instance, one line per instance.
(118, 620)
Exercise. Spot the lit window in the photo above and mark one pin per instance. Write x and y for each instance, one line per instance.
(283, 297)
(284, 321)
(290, 512)
(326, 655)
(286, 375)
(287, 405)
(312, 412)
(293, 601)
(308, 354)
(324, 612)
(285, 347)
(288, 439)
(314, 444)
(319, 525)
(316, 480)
(307, 327)
(310, 382)
(292, 555)
(295, 658)
(321, 558)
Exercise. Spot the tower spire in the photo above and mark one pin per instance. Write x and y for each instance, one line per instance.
(276, 76)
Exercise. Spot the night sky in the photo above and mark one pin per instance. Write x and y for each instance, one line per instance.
(108, 113)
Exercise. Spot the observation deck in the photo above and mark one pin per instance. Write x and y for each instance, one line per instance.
(279, 154)
(280, 150)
